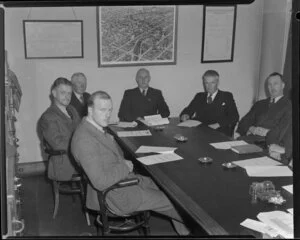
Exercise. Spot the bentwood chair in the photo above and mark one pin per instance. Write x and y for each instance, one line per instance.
(76, 185)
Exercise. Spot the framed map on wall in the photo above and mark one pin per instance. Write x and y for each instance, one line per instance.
(136, 35)
(53, 39)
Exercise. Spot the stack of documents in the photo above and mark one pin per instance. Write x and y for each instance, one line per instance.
(227, 145)
(247, 148)
(127, 124)
(261, 161)
(289, 188)
(159, 158)
(153, 149)
(273, 223)
(268, 171)
(134, 133)
(189, 123)
(154, 120)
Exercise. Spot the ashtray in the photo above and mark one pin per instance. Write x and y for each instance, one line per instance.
(205, 160)
(159, 128)
(180, 138)
(228, 165)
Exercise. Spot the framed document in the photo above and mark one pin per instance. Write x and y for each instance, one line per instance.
(53, 39)
(136, 35)
(218, 33)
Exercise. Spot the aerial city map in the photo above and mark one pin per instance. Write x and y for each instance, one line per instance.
(135, 34)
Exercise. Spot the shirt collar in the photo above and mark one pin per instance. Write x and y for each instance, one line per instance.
(213, 95)
(91, 121)
(276, 99)
(141, 90)
(78, 95)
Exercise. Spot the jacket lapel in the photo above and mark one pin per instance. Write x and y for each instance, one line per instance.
(61, 114)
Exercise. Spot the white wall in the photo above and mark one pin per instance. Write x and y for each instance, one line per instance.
(276, 19)
(179, 82)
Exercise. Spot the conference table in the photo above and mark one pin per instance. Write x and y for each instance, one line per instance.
(217, 199)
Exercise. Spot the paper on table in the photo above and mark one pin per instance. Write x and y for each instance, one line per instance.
(159, 158)
(268, 171)
(261, 161)
(127, 124)
(259, 227)
(147, 149)
(134, 133)
(227, 145)
(290, 210)
(281, 221)
(289, 188)
(154, 120)
(189, 123)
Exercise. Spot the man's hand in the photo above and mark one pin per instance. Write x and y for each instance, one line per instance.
(275, 155)
(184, 117)
(129, 165)
(251, 130)
(214, 126)
(275, 151)
(260, 131)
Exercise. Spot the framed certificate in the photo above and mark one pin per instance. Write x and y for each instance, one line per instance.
(218, 33)
(53, 39)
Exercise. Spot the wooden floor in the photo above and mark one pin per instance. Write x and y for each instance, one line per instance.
(37, 209)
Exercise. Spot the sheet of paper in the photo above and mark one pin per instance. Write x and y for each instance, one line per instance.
(149, 149)
(289, 188)
(189, 123)
(227, 145)
(259, 227)
(268, 171)
(159, 158)
(261, 161)
(281, 221)
(134, 133)
(154, 120)
(127, 124)
(291, 210)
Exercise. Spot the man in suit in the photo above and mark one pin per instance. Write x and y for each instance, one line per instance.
(79, 96)
(56, 126)
(143, 100)
(102, 160)
(267, 117)
(213, 107)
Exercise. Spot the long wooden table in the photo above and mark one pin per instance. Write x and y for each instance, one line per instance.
(216, 198)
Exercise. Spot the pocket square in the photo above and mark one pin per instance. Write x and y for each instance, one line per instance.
(223, 104)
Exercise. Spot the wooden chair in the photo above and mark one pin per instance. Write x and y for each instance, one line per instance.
(106, 219)
(76, 185)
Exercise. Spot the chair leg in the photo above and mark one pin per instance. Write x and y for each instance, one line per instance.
(87, 216)
(56, 197)
(146, 226)
(105, 228)
(140, 230)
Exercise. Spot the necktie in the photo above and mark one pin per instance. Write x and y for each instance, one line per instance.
(209, 99)
(69, 112)
(81, 98)
(144, 92)
(272, 102)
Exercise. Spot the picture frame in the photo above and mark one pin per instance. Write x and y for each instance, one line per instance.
(218, 33)
(53, 39)
(136, 35)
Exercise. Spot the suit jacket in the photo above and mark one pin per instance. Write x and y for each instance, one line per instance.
(276, 118)
(103, 162)
(135, 105)
(222, 110)
(80, 107)
(57, 129)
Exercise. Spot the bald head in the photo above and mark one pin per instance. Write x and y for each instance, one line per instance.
(143, 78)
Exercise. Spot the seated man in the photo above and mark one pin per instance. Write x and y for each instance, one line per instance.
(143, 100)
(281, 143)
(79, 96)
(214, 107)
(56, 126)
(103, 162)
(267, 115)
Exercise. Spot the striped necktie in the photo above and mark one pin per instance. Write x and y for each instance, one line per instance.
(69, 112)
(272, 102)
(209, 99)
(144, 92)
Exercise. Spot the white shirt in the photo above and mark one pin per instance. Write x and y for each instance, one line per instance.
(143, 90)
(78, 96)
(213, 95)
(277, 99)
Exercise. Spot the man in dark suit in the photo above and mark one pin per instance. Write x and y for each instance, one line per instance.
(143, 100)
(267, 117)
(213, 107)
(79, 96)
(56, 126)
(102, 160)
